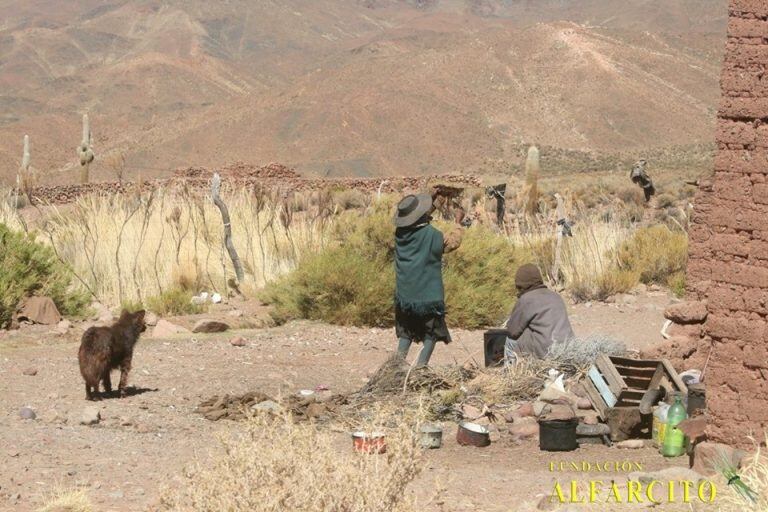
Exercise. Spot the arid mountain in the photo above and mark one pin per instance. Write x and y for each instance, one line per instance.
(355, 87)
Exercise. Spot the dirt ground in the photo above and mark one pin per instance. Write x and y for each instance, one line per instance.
(145, 440)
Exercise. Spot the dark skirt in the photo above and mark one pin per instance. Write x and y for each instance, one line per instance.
(418, 327)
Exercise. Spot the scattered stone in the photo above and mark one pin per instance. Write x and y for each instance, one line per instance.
(525, 410)
(30, 372)
(538, 406)
(631, 444)
(626, 299)
(267, 406)
(143, 428)
(693, 312)
(125, 421)
(216, 298)
(601, 429)
(209, 326)
(27, 413)
(557, 412)
(63, 326)
(524, 428)
(707, 455)
(584, 404)
(164, 329)
(640, 289)
(235, 313)
(38, 310)
(102, 313)
(238, 341)
(151, 319)
(90, 416)
(590, 419)
(470, 412)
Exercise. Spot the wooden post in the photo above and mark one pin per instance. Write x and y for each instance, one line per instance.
(215, 189)
(560, 229)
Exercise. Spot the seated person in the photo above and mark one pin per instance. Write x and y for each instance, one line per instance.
(538, 320)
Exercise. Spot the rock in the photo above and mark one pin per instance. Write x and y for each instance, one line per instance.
(102, 313)
(601, 429)
(30, 372)
(694, 428)
(125, 421)
(671, 474)
(692, 312)
(525, 410)
(151, 319)
(90, 416)
(235, 313)
(216, 298)
(556, 412)
(640, 289)
(38, 310)
(626, 299)
(27, 413)
(469, 412)
(267, 406)
(524, 428)
(143, 428)
(164, 329)
(63, 326)
(238, 341)
(706, 456)
(538, 407)
(583, 404)
(590, 419)
(630, 444)
(316, 410)
(209, 326)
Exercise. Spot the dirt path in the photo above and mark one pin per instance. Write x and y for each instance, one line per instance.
(144, 440)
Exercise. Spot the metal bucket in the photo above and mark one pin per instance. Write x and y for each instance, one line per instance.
(370, 443)
(472, 434)
(430, 437)
(558, 435)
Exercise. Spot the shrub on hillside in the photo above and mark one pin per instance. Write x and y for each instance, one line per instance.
(175, 301)
(655, 253)
(29, 268)
(352, 281)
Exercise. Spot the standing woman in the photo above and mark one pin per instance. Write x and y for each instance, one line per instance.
(419, 293)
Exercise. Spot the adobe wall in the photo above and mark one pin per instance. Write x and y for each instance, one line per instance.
(728, 265)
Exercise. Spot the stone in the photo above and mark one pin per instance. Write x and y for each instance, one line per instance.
(584, 404)
(143, 428)
(236, 313)
(470, 412)
(601, 429)
(538, 407)
(63, 327)
(209, 326)
(706, 456)
(267, 406)
(525, 410)
(590, 419)
(238, 341)
(29, 372)
(90, 416)
(628, 423)
(693, 312)
(102, 313)
(27, 413)
(151, 319)
(165, 329)
(630, 444)
(640, 289)
(626, 299)
(125, 421)
(557, 412)
(524, 428)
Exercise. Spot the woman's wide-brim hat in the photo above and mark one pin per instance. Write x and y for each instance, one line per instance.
(411, 208)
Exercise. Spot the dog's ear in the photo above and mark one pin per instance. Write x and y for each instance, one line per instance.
(125, 316)
(138, 317)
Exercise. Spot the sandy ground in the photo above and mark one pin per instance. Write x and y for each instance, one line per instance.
(145, 440)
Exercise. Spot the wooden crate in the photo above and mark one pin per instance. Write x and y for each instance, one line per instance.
(623, 382)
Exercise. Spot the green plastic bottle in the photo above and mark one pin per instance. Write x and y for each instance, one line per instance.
(674, 439)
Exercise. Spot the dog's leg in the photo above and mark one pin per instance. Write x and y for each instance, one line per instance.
(88, 394)
(125, 368)
(107, 378)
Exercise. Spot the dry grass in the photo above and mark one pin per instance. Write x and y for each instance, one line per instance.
(128, 248)
(277, 465)
(67, 500)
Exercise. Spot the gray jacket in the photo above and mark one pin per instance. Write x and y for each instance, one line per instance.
(538, 320)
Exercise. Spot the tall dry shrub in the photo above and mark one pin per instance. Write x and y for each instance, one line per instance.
(277, 465)
(532, 171)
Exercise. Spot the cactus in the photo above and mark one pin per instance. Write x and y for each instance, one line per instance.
(85, 151)
(532, 167)
(23, 180)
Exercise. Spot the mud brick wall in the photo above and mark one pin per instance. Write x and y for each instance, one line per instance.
(728, 264)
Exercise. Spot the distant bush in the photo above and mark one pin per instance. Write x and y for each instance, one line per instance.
(175, 301)
(352, 282)
(610, 281)
(29, 268)
(656, 254)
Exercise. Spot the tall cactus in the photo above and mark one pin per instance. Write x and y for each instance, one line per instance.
(85, 151)
(23, 178)
(532, 168)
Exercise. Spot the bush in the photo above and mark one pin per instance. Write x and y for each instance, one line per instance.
(277, 465)
(352, 282)
(29, 268)
(655, 254)
(609, 282)
(175, 301)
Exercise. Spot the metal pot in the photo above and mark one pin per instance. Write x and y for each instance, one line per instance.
(431, 436)
(370, 443)
(472, 434)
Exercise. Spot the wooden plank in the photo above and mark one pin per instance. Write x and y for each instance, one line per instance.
(635, 372)
(674, 377)
(595, 398)
(602, 386)
(611, 375)
(638, 383)
(634, 363)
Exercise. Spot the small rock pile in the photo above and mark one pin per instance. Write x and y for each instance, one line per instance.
(239, 407)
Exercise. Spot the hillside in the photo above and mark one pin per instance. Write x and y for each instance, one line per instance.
(357, 87)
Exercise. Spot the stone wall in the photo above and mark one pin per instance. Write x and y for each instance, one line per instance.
(728, 265)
